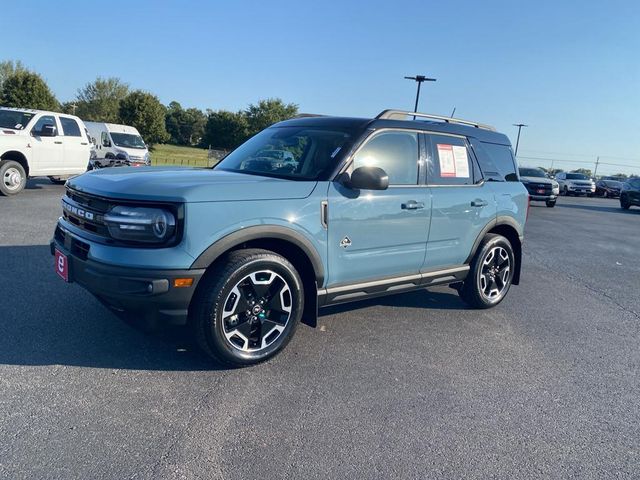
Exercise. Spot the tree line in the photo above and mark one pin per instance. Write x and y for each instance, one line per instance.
(111, 100)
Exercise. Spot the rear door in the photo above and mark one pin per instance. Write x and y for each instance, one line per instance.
(48, 152)
(379, 234)
(462, 203)
(76, 146)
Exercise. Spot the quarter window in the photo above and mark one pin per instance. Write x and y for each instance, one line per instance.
(450, 162)
(396, 152)
(502, 158)
(42, 121)
(70, 127)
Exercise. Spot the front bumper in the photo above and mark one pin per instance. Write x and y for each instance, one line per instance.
(543, 198)
(139, 294)
(580, 189)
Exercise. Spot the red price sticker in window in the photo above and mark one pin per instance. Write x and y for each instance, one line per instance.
(447, 160)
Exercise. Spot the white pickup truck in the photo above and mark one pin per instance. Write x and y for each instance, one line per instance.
(35, 143)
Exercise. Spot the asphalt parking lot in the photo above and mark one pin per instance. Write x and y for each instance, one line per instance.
(414, 386)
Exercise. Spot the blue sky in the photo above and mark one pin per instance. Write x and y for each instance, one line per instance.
(571, 70)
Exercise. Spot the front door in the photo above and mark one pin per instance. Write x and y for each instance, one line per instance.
(382, 233)
(463, 204)
(48, 152)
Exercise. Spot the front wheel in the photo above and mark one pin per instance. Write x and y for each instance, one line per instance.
(490, 274)
(551, 203)
(247, 308)
(624, 204)
(13, 178)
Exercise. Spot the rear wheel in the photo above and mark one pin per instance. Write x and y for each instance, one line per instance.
(248, 307)
(13, 178)
(491, 273)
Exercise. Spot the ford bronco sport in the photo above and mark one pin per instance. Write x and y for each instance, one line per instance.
(244, 251)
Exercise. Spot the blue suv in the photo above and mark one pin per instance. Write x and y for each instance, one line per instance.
(310, 212)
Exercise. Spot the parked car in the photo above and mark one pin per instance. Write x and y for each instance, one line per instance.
(36, 143)
(244, 251)
(540, 187)
(630, 193)
(608, 188)
(117, 145)
(575, 184)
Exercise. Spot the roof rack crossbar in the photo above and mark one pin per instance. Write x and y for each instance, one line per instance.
(400, 114)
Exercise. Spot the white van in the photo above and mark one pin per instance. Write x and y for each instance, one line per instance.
(118, 143)
(35, 143)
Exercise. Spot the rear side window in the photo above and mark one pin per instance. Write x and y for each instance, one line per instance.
(501, 165)
(449, 161)
(70, 127)
(395, 152)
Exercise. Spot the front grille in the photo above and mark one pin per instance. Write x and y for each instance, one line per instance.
(86, 212)
(534, 188)
(77, 247)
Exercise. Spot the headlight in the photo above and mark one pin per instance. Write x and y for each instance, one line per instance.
(140, 224)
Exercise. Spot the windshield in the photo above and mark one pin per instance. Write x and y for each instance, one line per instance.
(127, 140)
(531, 172)
(297, 153)
(14, 119)
(576, 176)
(635, 182)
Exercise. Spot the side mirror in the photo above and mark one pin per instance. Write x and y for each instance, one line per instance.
(48, 131)
(369, 178)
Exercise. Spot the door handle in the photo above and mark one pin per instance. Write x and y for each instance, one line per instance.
(479, 203)
(412, 205)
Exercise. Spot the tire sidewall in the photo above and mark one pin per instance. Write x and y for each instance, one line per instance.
(5, 165)
(215, 330)
(496, 241)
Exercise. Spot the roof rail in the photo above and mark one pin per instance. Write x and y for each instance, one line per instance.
(401, 114)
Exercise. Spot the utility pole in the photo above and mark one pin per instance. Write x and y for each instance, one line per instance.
(596, 169)
(519, 125)
(419, 79)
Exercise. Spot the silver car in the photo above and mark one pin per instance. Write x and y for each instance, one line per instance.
(575, 184)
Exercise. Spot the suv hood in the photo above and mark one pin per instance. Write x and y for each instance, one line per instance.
(546, 181)
(179, 184)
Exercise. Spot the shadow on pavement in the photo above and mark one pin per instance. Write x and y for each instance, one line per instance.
(44, 321)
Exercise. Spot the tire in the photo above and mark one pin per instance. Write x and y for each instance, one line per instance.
(551, 203)
(13, 178)
(228, 326)
(624, 204)
(605, 194)
(486, 272)
(565, 191)
(57, 181)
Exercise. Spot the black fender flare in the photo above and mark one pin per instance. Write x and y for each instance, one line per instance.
(228, 242)
(501, 220)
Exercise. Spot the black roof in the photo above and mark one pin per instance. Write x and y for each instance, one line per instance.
(482, 134)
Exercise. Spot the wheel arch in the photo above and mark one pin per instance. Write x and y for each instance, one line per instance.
(508, 228)
(284, 241)
(16, 156)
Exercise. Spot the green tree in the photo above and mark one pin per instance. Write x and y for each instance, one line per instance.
(145, 112)
(267, 112)
(99, 101)
(225, 130)
(584, 171)
(9, 68)
(186, 127)
(25, 89)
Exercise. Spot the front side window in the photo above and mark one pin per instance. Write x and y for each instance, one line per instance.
(295, 153)
(128, 140)
(70, 127)
(104, 138)
(42, 121)
(395, 152)
(449, 162)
